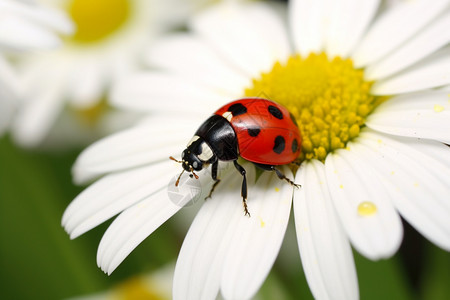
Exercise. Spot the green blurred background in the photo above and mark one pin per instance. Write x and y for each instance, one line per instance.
(39, 261)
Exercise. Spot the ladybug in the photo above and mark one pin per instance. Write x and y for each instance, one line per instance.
(256, 129)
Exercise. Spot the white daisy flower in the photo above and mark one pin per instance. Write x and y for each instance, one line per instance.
(107, 45)
(365, 88)
(24, 26)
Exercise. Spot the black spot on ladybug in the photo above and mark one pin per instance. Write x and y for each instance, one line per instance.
(253, 131)
(294, 146)
(237, 109)
(294, 120)
(280, 144)
(274, 111)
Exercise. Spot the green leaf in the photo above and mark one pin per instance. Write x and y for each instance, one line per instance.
(37, 256)
(38, 260)
(436, 274)
(383, 279)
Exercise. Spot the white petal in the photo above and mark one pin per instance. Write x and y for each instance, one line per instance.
(352, 183)
(324, 247)
(114, 193)
(20, 34)
(133, 147)
(137, 222)
(415, 172)
(55, 20)
(170, 53)
(349, 20)
(123, 64)
(8, 94)
(7, 107)
(155, 92)
(199, 266)
(394, 27)
(250, 35)
(131, 227)
(87, 83)
(426, 42)
(34, 71)
(309, 22)
(434, 71)
(423, 115)
(256, 241)
(41, 15)
(36, 117)
(8, 76)
(444, 88)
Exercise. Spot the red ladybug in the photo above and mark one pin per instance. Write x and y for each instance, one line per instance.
(259, 130)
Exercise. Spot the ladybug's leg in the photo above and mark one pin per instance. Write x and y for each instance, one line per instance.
(244, 186)
(282, 176)
(278, 172)
(214, 168)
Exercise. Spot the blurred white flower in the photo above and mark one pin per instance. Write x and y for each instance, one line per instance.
(154, 285)
(24, 26)
(365, 90)
(70, 85)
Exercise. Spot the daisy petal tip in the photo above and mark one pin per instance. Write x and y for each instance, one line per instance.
(112, 267)
(99, 261)
(77, 177)
(72, 236)
(67, 229)
(64, 219)
(68, 27)
(104, 270)
(60, 21)
(380, 253)
(75, 232)
(82, 177)
(103, 267)
(446, 246)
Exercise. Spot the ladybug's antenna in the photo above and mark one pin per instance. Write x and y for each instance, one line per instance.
(180, 162)
(172, 158)
(178, 179)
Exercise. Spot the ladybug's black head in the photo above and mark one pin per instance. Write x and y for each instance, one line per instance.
(191, 161)
(196, 156)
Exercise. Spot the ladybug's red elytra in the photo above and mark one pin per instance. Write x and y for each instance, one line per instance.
(259, 130)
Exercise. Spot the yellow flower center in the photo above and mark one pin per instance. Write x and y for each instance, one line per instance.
(97, 19)
(91, 115)
(138, 288)
(329, 99)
